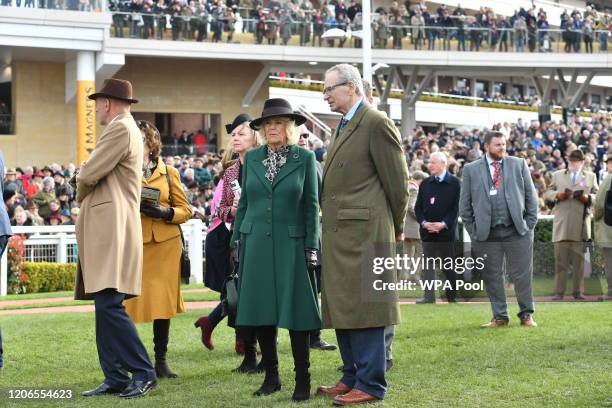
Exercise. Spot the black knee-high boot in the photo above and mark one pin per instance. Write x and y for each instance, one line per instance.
(249, 363)
(161, 333)
(300, 348)
(266, 335)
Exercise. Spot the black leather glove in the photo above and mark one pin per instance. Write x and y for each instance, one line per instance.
(235, 252)
(156, 211)
(312, 259)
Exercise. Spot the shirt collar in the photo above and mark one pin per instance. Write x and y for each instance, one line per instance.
(349, 115)
(441, 177)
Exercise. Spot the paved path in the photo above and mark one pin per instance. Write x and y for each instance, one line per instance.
(25, 302)
(212, 304)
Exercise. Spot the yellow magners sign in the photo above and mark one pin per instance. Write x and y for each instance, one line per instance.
(86, 120)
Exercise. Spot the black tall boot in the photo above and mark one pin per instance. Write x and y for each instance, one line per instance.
(266, 335)
(301, 360)
(161, 332)
(249, 363)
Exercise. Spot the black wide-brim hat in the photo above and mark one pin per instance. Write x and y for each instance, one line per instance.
(278, 107)
(115, 89)
(238, 120)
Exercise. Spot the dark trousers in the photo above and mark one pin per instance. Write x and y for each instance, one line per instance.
(507, 251)
(119, 348)
(3, 243)
(363, 359)
(438, 251)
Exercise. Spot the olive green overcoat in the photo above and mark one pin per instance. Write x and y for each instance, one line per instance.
(364, 201)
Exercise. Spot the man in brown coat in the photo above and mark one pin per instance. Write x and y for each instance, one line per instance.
(363, 201)
(573, 190)
(109, 237)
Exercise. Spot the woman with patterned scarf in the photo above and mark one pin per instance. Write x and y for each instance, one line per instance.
(277, 224)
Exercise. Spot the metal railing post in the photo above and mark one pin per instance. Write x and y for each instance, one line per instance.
(62, 249)
(195, 238)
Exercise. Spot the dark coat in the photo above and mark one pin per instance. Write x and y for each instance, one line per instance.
(439, 202)
(275, 223)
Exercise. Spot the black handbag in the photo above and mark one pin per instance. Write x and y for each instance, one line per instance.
(184, 262)
(232, 283)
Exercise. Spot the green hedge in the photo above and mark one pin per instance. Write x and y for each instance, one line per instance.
(49, 276)
(426, 98)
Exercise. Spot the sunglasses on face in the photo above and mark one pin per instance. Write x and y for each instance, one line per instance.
(304, 135)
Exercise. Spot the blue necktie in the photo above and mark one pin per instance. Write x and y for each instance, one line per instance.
(343, 123)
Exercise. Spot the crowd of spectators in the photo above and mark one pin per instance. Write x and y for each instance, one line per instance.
(415, 24)
(43, 196)
(411, 24)
(545, 146)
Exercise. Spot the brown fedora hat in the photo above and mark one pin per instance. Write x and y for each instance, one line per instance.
(115, 89)
(276, 107)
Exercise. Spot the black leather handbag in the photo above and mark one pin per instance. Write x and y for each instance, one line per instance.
(232, 283)
(185, 262)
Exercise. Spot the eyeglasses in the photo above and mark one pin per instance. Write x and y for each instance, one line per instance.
(305, 135)
(327, 90)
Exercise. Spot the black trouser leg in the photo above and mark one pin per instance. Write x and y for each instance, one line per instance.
(249, 363)
(161, 335)
(266, 336)
(300, 348)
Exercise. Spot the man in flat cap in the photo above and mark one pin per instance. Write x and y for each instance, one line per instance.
(573, 190)
(109, 237)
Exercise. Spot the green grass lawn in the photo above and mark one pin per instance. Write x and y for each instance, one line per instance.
(442, 359)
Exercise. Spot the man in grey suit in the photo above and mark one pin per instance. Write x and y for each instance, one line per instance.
(5, 234)
(499, 208)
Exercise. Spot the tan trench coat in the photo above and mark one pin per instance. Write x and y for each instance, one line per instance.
(109, 233)
(569, 223)
(363, 201)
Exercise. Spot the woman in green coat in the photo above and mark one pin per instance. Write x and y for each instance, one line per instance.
(277, 223)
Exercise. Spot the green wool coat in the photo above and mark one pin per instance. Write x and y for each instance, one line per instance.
(275, 222)
(364, 200)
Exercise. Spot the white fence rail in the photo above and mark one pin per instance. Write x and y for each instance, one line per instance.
(58, 244)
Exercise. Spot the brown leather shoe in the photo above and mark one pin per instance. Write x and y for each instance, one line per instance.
(528, 321)
(494, 323)
(338, 389)
(354, 397)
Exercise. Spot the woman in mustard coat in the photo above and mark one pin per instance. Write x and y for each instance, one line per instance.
(160, 298)
(277, 223)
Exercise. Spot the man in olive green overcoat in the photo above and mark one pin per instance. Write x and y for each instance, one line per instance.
(364, 201)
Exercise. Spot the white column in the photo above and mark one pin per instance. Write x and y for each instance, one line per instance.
(366, 43)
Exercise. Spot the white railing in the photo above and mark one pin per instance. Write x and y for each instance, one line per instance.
(58, 244)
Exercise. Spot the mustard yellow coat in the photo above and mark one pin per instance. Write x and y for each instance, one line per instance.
(160, 297)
